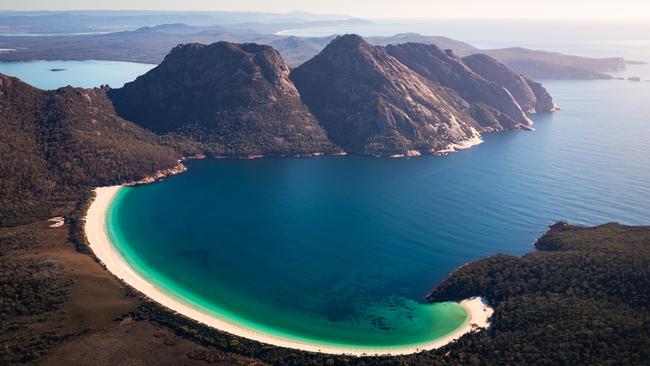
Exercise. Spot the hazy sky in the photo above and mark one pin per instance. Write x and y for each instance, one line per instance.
(372, 8)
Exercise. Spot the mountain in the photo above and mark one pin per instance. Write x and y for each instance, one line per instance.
(237, 99)
(531, 96)
(57, 143)
(491, 104)
(372, 104)
(295, 50)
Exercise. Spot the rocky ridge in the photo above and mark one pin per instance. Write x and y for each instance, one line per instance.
(370, 103)
(237, 99)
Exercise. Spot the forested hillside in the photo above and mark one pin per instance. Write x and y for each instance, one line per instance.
(57, 144)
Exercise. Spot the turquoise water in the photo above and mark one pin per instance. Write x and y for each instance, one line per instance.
(342, 250)
(86, 74)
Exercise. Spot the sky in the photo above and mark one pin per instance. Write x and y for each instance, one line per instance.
(427, 9)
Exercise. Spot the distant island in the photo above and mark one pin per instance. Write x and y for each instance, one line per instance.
(43, 37)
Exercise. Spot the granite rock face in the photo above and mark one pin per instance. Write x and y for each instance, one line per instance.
(531, 96)
(370, 103)
(236, 98)
(492, 105)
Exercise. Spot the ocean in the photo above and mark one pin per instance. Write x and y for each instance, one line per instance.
(343, 250)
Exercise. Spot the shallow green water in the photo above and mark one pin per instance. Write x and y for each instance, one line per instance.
(353, 320)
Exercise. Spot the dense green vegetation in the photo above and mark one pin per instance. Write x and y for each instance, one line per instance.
(30, 287)
(56, 144)
(582, 299)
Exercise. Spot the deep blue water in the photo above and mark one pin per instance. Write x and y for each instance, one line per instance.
(341, 249)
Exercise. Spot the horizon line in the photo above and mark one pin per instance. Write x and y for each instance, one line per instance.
(349, 16)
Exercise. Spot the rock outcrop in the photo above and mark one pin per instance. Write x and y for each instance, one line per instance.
(237, 99)
(531, 96)
(493, 106)
(370, 103)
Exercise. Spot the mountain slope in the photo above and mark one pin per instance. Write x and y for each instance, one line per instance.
(54, 143)
(531, 96)
(370, 103)
(492, 105)
(236, 98)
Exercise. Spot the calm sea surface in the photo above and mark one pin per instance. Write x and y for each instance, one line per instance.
(342, 250)
(86, 74)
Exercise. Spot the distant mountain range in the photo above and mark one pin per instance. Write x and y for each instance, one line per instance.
(243, 100)
(150, 44)
(66, 22)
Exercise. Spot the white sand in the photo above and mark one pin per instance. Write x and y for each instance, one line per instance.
(102, 247)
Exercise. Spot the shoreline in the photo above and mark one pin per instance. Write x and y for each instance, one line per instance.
(100, 244)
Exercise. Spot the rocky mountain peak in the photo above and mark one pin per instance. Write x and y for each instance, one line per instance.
(235, 97)
(370, 103)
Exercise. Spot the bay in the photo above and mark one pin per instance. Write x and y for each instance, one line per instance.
(343, 250)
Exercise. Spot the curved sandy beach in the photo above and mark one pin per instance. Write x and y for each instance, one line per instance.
(95, 229)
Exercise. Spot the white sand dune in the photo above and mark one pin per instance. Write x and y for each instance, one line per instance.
(100, 244)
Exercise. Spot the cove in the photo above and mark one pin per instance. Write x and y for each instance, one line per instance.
(342, 250)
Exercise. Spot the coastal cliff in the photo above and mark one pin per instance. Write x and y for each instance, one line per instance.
(492, 105)
(370, 103)
(531, 96)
